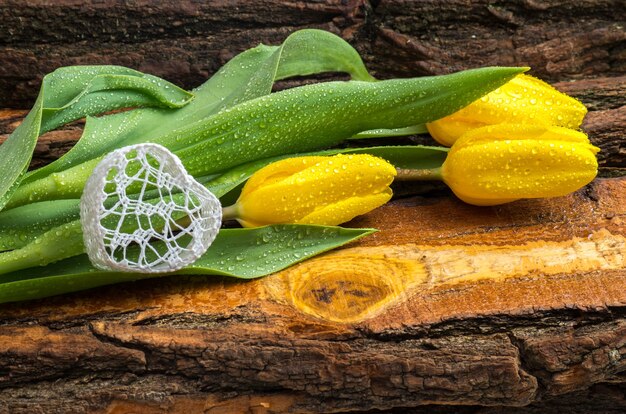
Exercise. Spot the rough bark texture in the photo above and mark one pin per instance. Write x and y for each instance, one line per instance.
(448, 304)
(185, 41)
(449, 308)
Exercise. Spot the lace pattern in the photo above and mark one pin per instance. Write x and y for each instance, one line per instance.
(142, 212)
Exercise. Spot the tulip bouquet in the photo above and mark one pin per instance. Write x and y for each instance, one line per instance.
(519, 141)
(144, 187)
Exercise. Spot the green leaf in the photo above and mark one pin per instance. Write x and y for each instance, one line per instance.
(318, 116)
(71, 93)
(304, 52)
(397, 132)
(249, 75)
(17, 151)
(303, 119)
(311, 51)
(57, 243)
(22, 225)
(239, 253)
(252, 253)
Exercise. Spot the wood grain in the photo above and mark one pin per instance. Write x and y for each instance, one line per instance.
(185, 41)
(447, 304)
(449, 308)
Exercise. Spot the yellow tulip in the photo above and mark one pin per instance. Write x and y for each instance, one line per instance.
(523, 99)
(501, 163)
(315, 190)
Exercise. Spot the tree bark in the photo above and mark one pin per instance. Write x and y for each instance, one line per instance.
(449, 308)
(185, 41)
(448, 304)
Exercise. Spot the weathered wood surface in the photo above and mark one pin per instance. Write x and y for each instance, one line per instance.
(447, 304)
(449, 308)
(185, 41)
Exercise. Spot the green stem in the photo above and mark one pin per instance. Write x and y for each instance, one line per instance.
(427, 174)
(59, 243)
(16, 260)
(66, 184)
(230, 212)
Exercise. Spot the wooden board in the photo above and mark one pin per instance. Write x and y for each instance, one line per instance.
(449, 308)
(184, 40)
(447, 304)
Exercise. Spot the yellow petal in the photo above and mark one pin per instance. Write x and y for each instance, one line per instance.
(295, 188)
(346, 210)
(519, 132)
(447, 130)
(501, 163)
(278, 170)
(524, 99)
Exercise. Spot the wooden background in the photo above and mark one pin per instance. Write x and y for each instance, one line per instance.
(448, 309)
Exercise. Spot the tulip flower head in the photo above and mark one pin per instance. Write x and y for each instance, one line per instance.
(315, 190)
(523, 99)
(501, 163)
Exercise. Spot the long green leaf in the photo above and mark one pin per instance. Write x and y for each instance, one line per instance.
(311, 51)
(22, 225)
(397, 132)
(318, 116)
(303, 119)
(71, 93)
(249, 75)
(239, 253)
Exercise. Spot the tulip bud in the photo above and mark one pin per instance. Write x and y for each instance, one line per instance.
(523, 99)
(501, 163)
(315, 190)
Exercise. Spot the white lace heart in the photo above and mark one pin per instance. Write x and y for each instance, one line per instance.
(142, 212)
